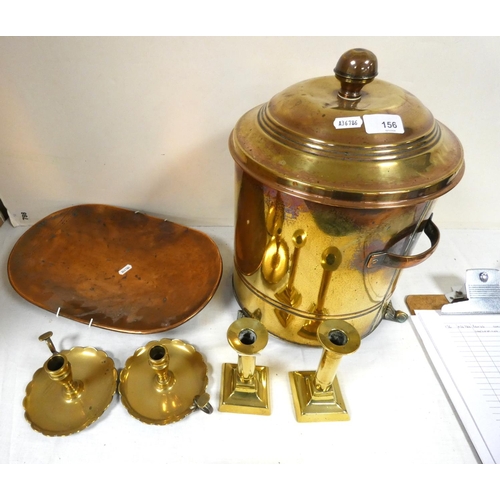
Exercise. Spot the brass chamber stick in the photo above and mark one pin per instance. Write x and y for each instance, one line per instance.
(164, 381)
(316, 395)
(71, 391)
(245, 386)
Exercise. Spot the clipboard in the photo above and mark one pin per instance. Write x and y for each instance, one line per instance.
(425, 302)
(481, 296)
(462, 341)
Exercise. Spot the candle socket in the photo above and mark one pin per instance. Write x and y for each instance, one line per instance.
(58, 368)
(316, 395)
(158, 360)
(245, 386)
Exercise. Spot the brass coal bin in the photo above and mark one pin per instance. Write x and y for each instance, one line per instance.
(336, 178)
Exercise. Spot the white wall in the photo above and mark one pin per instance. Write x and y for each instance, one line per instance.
(143, 122)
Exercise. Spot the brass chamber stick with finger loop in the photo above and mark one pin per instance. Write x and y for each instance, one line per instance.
(164, 381)
(161, 383)
(71, 391)
(316, 395)
(245, 386)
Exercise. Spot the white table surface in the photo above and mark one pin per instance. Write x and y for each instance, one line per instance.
(399, 411)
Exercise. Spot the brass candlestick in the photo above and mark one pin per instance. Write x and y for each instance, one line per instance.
(164, 381)
(245, 386)
(71, 391)
(316, 395)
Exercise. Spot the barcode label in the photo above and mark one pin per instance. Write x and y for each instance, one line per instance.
(351, 122)
(125, 269)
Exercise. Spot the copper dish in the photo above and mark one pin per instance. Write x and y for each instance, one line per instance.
(115, 268)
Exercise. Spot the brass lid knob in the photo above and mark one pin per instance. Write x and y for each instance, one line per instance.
(354, 69)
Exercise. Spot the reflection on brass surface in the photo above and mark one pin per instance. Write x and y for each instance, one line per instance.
(276, 255)
(163, 382)
(275, 216)
(360, 294)
(290, 295)
(245, 386)
(275, 262)
(115, 269)
(251, 238)
(316, 395)
(330, 261)
(71, 391)
(322, 169)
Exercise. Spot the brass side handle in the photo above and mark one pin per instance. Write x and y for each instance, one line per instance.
(387, 259)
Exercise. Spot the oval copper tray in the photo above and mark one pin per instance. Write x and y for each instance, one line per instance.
(115, 268)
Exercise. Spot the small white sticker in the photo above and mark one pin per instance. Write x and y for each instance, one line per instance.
(351, 122)
(383, 124)
(125, 269)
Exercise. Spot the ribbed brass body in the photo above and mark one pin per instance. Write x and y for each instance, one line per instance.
(327, 215)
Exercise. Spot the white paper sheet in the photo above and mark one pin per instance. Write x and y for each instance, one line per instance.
(465, 351)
